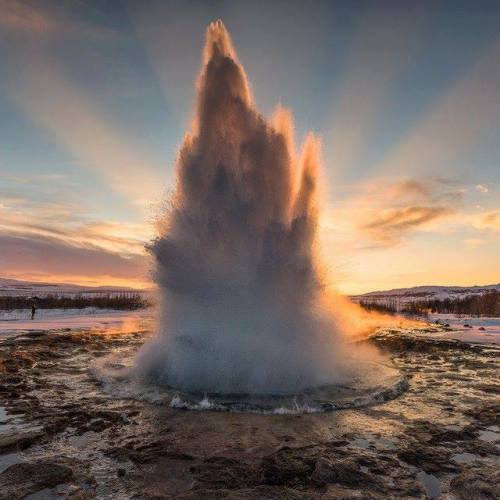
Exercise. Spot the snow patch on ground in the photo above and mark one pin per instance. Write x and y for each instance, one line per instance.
(89, 317)
(44, 314)
(481, 330)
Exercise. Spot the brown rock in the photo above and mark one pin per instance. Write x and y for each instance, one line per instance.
(258, 493)
(345, 471)
(226, 473)
(20, 480)
(19, 440)
(477, 484)
(288, 465)
(433, 460)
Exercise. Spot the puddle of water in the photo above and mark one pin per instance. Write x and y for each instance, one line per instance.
(464, 458)
(9, 459)
(11, 426)
(361, 443)
(45, 494)
(84, 439)
(388, 444)
(489, 436)
(61, 491)
(9, 423)
(430, 483)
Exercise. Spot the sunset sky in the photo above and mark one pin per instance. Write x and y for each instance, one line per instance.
(96, 96)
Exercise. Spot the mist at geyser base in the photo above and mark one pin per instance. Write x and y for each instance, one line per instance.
(244, 305)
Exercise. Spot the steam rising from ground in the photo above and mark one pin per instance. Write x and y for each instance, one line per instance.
(243, 299)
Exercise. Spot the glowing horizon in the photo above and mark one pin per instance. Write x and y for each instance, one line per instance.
(94, 109)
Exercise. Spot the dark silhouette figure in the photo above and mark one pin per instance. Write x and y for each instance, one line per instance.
(33, 311)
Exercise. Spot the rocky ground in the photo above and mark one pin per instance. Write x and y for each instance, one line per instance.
(65, 434)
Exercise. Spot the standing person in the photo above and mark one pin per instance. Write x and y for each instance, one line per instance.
(33, 310)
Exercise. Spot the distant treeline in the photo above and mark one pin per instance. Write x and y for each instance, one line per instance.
(389, 307)
(127, 301)
(486, 304)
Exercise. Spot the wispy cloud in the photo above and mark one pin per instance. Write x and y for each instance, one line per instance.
(396, 210)
(34, 18)
(473, 243)
(385, 213)
(47, 233)
(64, 221)
(52, 258)
(57, 241)
(391, 225)
(489, 221)
(19, 15)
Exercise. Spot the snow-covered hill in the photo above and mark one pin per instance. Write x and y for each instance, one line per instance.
(425, 293)
(12, 287)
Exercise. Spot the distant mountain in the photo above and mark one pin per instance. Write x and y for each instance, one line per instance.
(13, 287)
(425, 293)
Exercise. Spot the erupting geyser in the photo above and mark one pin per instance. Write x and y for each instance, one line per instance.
(241, 289)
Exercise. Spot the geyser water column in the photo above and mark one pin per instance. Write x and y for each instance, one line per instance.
(241, 289)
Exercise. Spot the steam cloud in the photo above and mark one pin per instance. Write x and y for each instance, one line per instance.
(241, 288)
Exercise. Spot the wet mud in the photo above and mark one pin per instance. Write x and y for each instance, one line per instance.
(67, 433)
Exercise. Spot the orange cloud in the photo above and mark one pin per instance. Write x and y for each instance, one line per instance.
(62, 221)
(387, 212)
(390, 226)
(55, 241)
(25, 16)
(32, 18)
(473, 242)
(43, 257)
(489, 221)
